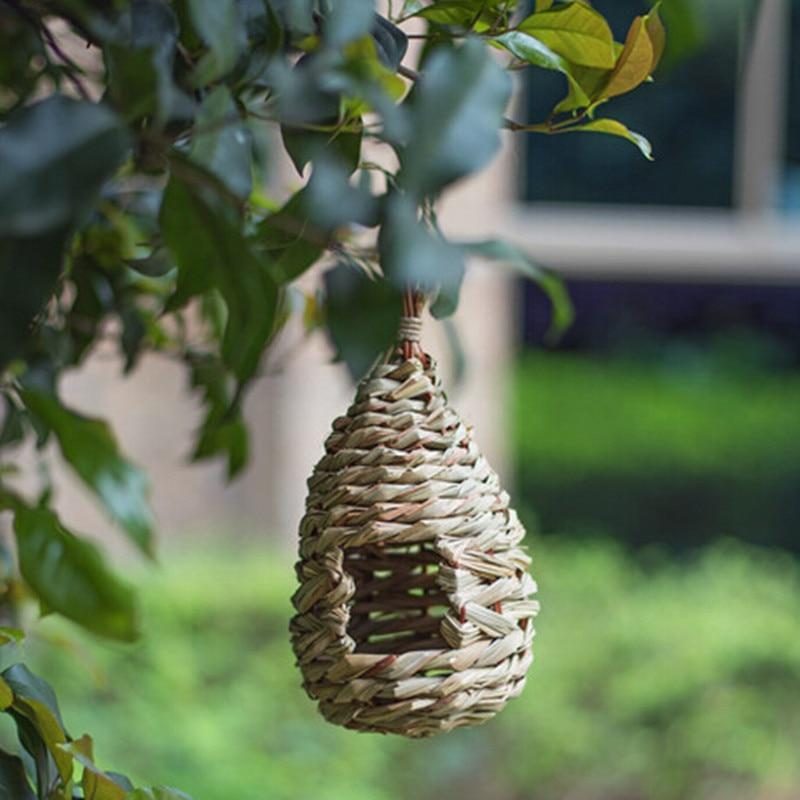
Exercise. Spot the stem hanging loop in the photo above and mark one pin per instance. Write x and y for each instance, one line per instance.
(410, 328)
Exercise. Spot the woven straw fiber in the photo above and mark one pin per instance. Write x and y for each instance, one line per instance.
(413, 612)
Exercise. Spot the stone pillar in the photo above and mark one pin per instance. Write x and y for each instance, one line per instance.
(761, 117)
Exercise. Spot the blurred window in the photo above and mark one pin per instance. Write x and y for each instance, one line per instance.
(688, 113)
(723, 115)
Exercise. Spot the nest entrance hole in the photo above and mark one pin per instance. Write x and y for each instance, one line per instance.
(398, 605)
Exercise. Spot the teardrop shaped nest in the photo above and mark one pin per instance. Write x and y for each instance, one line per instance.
(414, 611)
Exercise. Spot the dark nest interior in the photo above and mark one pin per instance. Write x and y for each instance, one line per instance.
(397, 606)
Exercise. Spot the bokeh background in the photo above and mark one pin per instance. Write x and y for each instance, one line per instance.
(654, 454)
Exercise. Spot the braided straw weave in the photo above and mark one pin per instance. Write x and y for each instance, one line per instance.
(413, 612)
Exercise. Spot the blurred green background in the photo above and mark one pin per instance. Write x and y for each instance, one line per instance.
(679, 449)
(664, 671)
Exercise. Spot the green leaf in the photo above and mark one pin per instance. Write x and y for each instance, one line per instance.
(13, 780)
(6, 695)
(121, 780)
(30, 687)
(591, 82)
(29, 270)
(96, 784)
(332, 201)
(635, 62)
(222, 142)
(140, 63)
(11, 635)
(292, 242)
(657, 34)
(362, 315)
(543, 5)
(35, 702)
(56, 154)
(367, 84)
(90, 448)
(23, 47)
(211, 252)
(228, 437)
(341, 144)
(516, 259)
(391, 43)
(297, 16)
(530, 49)
(302, 91)
(614, 128)
(223, 431)
(446, 302)
(450, 12)
(46, 771)
(221, 27)
(412, 254)
(575, 31)
(456, 111)
(347, 20)
(12, 430)
(132, 337)
(264, 32)
(70, 577)
(133, 82)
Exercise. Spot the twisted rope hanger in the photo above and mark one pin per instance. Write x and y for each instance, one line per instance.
(409, 330)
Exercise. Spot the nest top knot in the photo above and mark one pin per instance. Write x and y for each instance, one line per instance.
(410, 329)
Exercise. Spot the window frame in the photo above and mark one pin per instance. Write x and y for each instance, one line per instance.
(753, 241)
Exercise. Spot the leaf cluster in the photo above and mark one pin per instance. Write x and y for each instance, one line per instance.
(136, 142)
(139, 222)
(62, 768)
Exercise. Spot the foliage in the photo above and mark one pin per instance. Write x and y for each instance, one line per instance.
(139, 219)
(51, 754)
(660, 681)
(682, 455)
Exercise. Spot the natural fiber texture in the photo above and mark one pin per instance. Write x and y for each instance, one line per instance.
(413, 612)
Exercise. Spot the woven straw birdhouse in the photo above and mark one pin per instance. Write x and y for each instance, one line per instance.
(414, 611)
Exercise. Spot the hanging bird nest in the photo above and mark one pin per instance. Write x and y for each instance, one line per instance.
(413, 612)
